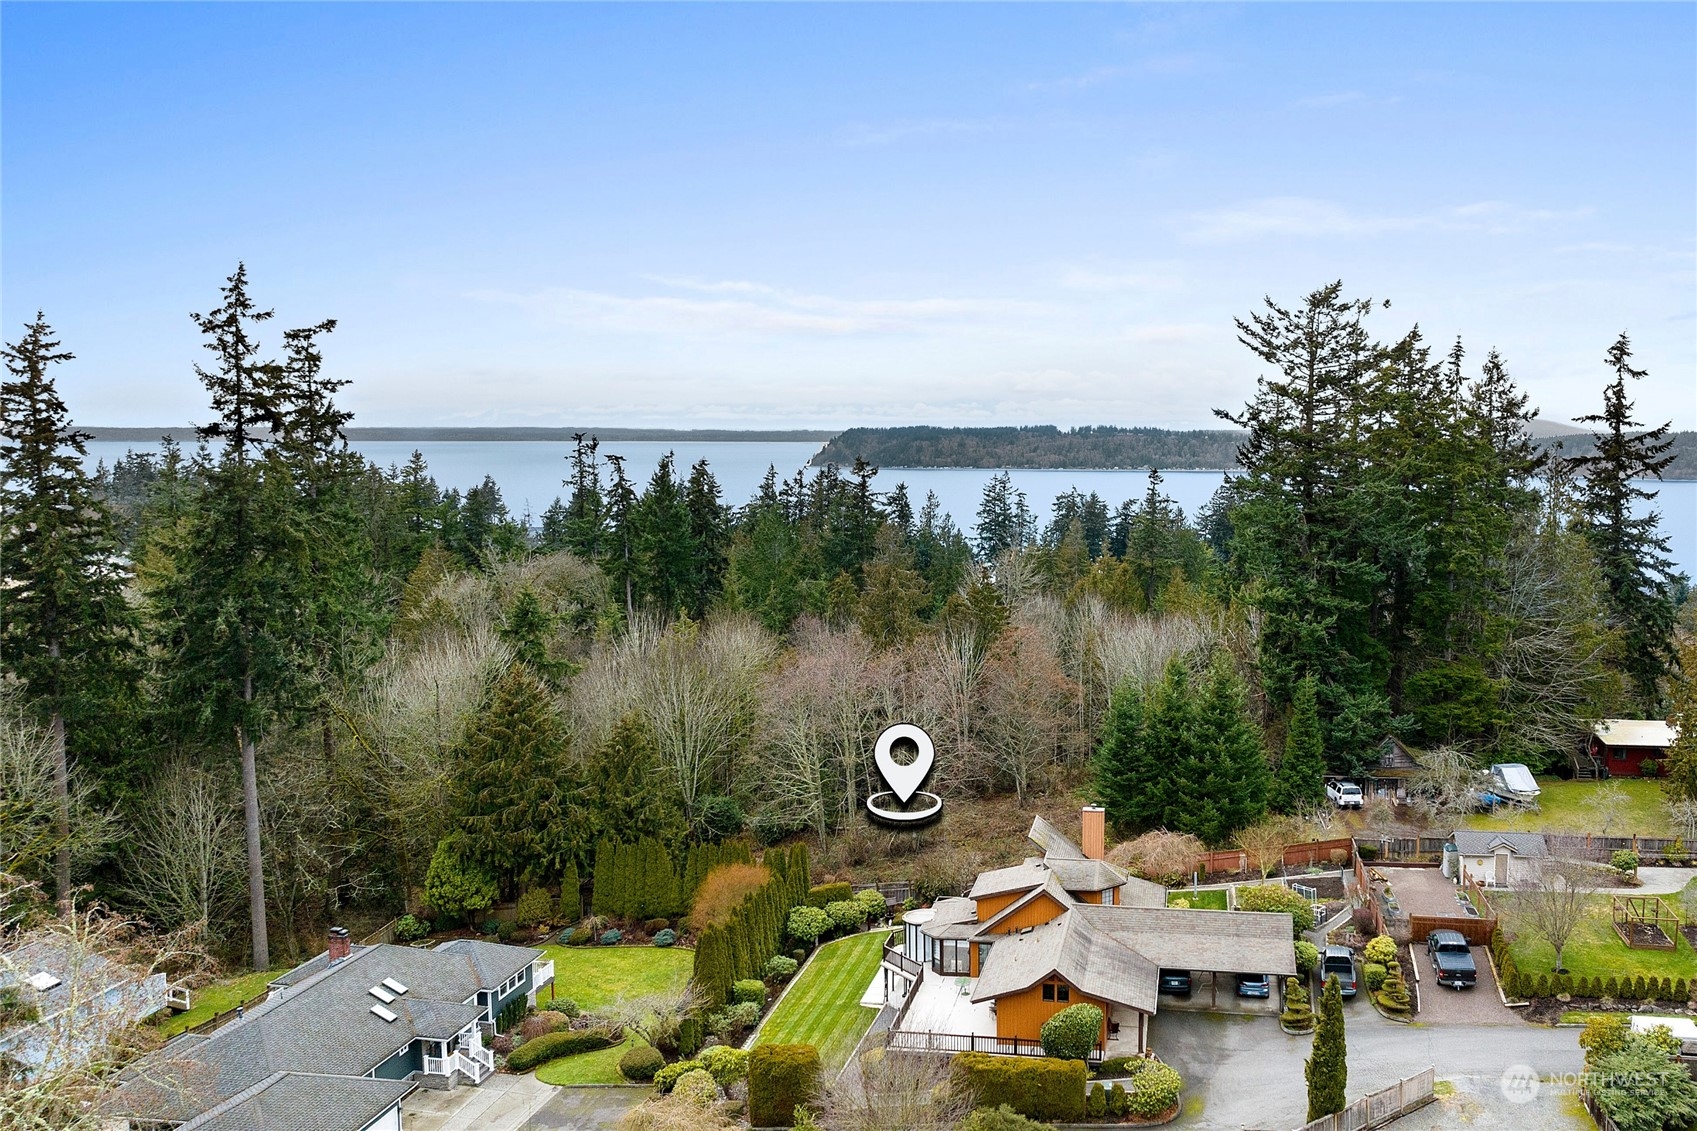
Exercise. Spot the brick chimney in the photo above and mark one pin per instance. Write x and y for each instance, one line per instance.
(1095, 832)
(339, 948)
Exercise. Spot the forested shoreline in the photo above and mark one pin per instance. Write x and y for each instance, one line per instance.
(260, 685)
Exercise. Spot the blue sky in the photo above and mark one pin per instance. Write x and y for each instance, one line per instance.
(816, 215)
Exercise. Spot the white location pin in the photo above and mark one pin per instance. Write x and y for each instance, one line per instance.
(904, 780)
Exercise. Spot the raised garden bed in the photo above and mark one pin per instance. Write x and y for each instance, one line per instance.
(1644, 922)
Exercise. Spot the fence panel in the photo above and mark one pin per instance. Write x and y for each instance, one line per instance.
(1387, 1103)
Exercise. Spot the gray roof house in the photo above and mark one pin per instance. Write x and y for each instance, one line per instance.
(338, 1042)
(61, 1002)
(1499, 859)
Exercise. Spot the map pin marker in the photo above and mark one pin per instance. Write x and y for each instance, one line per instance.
(904, 780)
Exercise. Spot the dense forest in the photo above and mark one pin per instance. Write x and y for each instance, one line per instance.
(1044, 445)
(261, 685)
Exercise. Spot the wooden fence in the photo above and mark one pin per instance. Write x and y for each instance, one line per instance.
(1381, 1107)
(1604, 1123)
(1309, 854)
(230, 1014)
(1582, 846)
(1392, 848)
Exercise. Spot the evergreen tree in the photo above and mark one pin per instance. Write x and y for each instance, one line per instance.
(571, 895)
(1234, 771)
(1327, 1070)
(603, 893)
(528, 628)
(709, 536)
(1126, 779)
(1300, 779)
(66, 631)
(665, 550)
(895, 596)
(1630, 549)
(713, 965)
(621, 563)
(586, 512)
(512, 790)
(1004, 519)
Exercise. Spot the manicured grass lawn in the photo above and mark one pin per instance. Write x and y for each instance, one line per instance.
(823, 1007)
(216, 998)
(1562, 808)
(1595, 950)
(587, 1068)
(594, 976)
(1199, 900)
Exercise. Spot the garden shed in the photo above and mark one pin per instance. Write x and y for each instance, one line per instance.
(1499, 859)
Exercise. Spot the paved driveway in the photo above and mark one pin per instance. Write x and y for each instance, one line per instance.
(1245, 1072)
(1445, 1005)
(586, 1109)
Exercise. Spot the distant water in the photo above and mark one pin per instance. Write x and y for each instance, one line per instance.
(530, 475)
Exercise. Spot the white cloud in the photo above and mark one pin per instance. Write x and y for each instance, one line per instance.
(1306, 216)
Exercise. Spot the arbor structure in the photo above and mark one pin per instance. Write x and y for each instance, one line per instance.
(65, 629)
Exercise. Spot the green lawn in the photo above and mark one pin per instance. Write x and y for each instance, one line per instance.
(1200, 900)
(594, 976)
(1562, 809)
(1595, 950)
(216, 998)
(823, 1008)
(587, 1068)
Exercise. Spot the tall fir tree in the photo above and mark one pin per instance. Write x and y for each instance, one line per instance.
(1126, 775)
(1300, 779)
(665, 550)
(1234, 770)
(66, 632)
(1630, 549)
(710, 536)
(586, 510)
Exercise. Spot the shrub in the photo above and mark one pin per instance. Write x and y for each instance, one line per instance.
(875, 904)
(580, 937)
(846, 914)
(1373, 973)
(1155, 1092)
(1072, 1033)
(722, 891)
(733, 1020)
(697, 1087)
(534, 906)
(1038, 1087)
(511, 1014)
(1096, 1103)
(408, 928)
(541, 1024)
(749, 989)
(555, 1045)
(1277, 897)
(1003, 1118)
(1604, 1035)
(1307, 957)
(1394, 996)
(1649, 767)
(1624, 861)
(491, 926)
(611, 938)
(665, 938)
(1119, 1101)
(780, 968)
(782, 1078)
(563, 1005)
(655, 926)
(1298, 1014)
(690, 1032)
(1381, 949)
(640, 1063)
(821, 894)
(1121, 1066)
(806, 924)
(667, 1076)
(727, 1065)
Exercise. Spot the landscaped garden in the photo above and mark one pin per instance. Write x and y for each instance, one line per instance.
(1566, 806)
(216, 997)
(1595, 951)
(1213, 900)
(823, 1007)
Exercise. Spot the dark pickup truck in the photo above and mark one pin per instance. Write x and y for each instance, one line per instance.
(1452, 959)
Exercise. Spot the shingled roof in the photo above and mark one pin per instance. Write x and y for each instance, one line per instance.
(298, 1101)
(1074, 948)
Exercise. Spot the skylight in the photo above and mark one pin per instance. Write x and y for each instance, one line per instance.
(44, 981)
(394, 985)
(381, 994)
(383, 1013)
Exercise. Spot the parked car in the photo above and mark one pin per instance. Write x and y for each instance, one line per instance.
(1175, 982)
(1452, 959)
(1339, 960)
(1344, 794)
(1254, 985)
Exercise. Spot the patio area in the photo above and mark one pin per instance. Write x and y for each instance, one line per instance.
(943, 1004)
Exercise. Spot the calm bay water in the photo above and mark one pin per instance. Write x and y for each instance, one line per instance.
(530, 473)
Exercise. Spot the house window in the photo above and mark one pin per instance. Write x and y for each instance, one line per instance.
(1057, 991)
(983, 955)
(953, 956)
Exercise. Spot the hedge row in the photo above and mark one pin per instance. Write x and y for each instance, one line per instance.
(1525, 984)
(780, 1079)
(1036, 1087)
(738, 950)
(552, 1046)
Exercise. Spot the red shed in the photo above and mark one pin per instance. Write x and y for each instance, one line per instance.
(1620, 746)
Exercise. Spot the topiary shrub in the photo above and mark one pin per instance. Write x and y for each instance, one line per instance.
(1639, 990)
(690, 1034)
(555, 1045)
(1373, 973)
(409, 928)
(1393, 998)
(665, 1077)
(1155, 1092)
(563, 1005)
(749, 990)
(1119, 1101)
(821, 894)
(779, 968)
(782, 1078)
(1381, 949)
(640, 1063)
(580, 937)
(1039, 1087)
(727, 1064)
(1096, 1103)
(697, 1087)
(1072, 1033)
(611, 938)
(1307, 957)
(665, 938)
(534, 906)
(806, 924)
(1299, 1013)
(1277, 897)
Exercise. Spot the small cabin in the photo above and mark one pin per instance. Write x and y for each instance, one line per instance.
(1620, 747)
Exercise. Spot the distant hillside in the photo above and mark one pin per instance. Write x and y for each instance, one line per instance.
(185, 434)
(1044, 445)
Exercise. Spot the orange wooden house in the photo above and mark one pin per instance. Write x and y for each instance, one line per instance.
(1056, 930)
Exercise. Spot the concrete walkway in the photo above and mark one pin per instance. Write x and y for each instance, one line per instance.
(1657, 881)
(500, 1103)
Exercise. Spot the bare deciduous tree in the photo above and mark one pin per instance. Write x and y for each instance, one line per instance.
(1159, 854)
(1027, 703)
(1551, 903)
(1607, 803)
(184, 857)
(1444, 788)
(30, 829)
(889, 1091)
(1264, 843)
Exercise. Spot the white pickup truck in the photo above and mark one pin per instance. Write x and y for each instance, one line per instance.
(1344, 794)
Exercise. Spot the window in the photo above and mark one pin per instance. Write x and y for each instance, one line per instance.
(954, 956)
(1057, 991)
(983, 955)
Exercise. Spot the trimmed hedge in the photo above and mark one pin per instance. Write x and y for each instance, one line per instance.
(640, 1063)
(1277, 897)
(1155, 1092)
(820, 894)
(750, 990)
(1037, 1087)
(782, 1078)
(1072, 1033)
(665, 1078)
(555, 1045)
